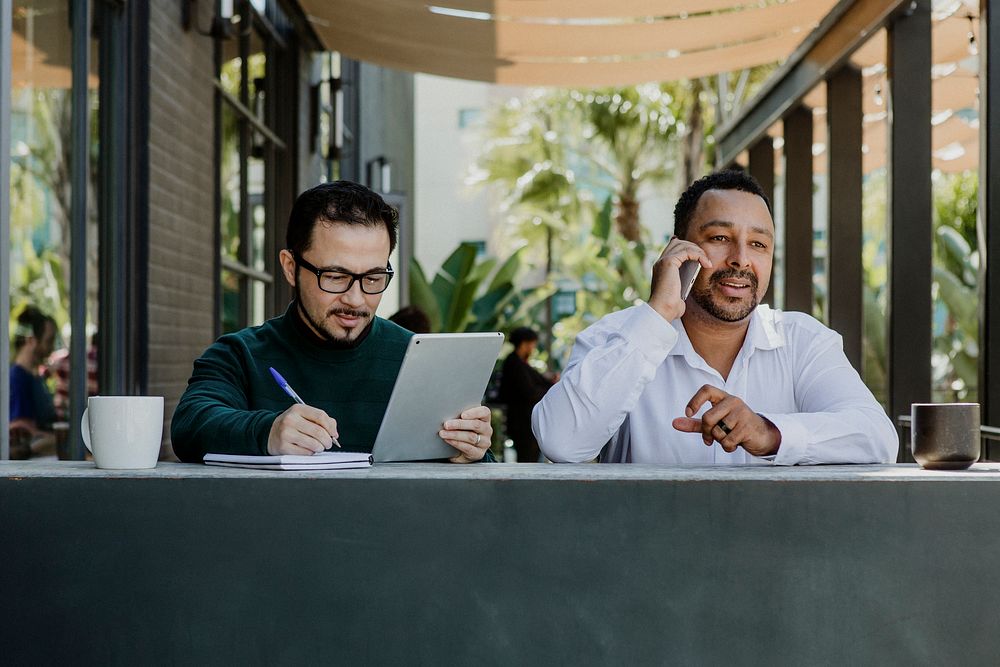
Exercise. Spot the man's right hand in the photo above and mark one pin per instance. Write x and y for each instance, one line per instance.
(302, 430)
(665, 291)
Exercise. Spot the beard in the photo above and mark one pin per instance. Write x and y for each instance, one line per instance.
(319, 321)
(727, 308)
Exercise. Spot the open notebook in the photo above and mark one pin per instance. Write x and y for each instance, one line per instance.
(321, 461)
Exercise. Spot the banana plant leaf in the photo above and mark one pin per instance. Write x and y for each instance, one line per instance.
(422, 295)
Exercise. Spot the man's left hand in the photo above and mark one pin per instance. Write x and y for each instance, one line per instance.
(730, 422)
(470, 434)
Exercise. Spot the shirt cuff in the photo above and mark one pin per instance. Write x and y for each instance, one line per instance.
(649, 333)
(794, 439)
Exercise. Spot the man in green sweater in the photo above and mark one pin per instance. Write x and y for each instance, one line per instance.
(329, 345)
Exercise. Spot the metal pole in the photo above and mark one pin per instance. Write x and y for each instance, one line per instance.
(79, 175)
(910, 244)
(798, 259)
(6, 79)
(989, 219)
(844, 275)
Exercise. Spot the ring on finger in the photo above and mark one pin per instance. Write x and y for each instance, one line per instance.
(724, 427)
(478, 438)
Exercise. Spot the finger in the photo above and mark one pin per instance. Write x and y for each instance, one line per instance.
(293, 449)
(474, 425)
(707, 393)
(317, 416)
(314, 431)
(465, 448)
(480, 413)
(687, 425)
(725, 412)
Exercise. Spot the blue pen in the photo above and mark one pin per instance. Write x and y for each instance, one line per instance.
(291, 392)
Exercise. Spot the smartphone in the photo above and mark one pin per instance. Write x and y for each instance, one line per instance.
(689, 272)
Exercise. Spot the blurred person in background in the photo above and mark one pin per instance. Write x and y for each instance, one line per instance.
(521, 387)
(412, 318)
(31, 410)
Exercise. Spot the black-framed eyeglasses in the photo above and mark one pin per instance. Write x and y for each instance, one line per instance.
(338, 282)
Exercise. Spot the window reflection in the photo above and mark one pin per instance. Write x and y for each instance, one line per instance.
(40, 189)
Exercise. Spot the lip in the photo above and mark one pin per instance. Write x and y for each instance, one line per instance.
(732, 291)
(346, 321)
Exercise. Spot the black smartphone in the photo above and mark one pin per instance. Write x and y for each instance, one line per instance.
(689, 272)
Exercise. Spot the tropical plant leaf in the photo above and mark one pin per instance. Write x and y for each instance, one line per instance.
(960, 299)
(422, 296)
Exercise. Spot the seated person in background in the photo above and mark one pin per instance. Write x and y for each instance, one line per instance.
(521, 387)
(58, 367)
(329, 345)
(31, 409)
(412, 318)
(776, 385)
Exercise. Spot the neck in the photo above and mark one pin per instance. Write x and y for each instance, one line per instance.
(716, 341)
(25, 358)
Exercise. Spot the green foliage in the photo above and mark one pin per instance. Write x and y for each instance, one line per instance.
(466, 295)
(955, 349)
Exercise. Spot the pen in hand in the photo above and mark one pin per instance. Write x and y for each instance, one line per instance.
(287, 388)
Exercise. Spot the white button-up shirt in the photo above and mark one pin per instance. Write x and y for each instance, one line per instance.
(632, 373)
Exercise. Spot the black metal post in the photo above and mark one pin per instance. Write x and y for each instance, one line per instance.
(6, 80)
(989, 218)
(844, 277)
(124, 198)
(80, 177)
(798, 259)
(910, 217)
(762, 168)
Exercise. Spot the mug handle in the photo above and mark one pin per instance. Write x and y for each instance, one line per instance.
(85, 429)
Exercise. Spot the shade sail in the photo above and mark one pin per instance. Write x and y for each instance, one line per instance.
(566, 42)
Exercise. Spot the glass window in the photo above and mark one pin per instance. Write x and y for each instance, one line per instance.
(248, 146)
(41, 189)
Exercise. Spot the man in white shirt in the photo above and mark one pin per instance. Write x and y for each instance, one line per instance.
(715, 378)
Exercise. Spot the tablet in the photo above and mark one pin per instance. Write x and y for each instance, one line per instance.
(441, 375)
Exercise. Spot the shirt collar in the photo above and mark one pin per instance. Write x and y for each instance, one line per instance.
(762, 334)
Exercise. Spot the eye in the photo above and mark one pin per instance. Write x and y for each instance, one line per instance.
(760, 245)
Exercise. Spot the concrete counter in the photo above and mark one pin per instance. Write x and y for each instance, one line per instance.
(499, 564)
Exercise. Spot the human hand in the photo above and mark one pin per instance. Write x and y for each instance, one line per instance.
(730, 422)
(302, 430)
(665, 291)
(470, 434)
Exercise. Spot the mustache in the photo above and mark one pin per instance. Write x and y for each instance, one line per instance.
(349, 312)
(729, 274)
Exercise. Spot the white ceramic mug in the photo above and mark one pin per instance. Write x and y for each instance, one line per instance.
(123, 432)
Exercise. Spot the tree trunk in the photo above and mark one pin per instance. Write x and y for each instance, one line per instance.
(693, 144)
(627, 218)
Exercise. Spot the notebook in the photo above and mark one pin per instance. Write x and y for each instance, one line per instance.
(321, 461)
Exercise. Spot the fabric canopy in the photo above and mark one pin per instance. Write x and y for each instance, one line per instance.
(566, 42)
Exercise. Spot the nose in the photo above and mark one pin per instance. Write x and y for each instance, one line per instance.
(738, 258)
(353, 296)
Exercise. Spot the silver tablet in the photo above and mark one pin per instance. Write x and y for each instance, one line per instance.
(441, 375)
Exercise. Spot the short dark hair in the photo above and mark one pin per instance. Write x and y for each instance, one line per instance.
(522, 335)
(727, 179)
(412, 318)
(31, 323)
(337, 202)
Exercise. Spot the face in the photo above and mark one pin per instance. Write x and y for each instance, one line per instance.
(44, 347)
(352, 248)
(736, 231)
(527, 348)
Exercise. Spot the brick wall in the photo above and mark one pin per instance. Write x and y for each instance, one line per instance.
(181, 201)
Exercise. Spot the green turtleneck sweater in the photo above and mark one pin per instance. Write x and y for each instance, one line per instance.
(232, 400)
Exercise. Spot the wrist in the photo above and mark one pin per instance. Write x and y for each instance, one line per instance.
(774, 433)
(665, 311)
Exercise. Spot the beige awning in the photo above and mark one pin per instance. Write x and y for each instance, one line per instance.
(566, 42)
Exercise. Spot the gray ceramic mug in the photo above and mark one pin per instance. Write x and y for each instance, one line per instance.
(945, 436)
